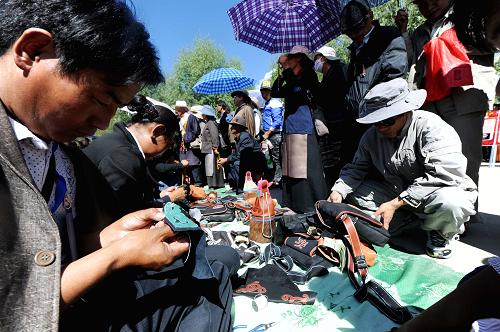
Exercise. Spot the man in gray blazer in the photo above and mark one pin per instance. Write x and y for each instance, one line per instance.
(66, 66)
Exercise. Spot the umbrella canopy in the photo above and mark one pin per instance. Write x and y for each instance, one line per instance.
(277, 25)
(222, 80)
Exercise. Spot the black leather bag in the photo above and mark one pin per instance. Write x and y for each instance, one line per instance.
(214, 212)
(337, 217)
(369, 230)
(289, 225)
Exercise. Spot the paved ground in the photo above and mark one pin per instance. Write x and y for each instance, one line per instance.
(486, 233)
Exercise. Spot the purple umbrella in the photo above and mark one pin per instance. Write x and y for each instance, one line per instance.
(277, 25)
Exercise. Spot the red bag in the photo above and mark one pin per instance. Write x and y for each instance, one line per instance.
(448, 65)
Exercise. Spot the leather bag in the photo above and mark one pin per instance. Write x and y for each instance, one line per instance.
(343, 227)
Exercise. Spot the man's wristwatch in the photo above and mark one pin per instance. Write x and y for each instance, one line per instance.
(409, 200)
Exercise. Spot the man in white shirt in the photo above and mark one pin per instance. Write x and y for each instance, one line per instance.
(66, 67)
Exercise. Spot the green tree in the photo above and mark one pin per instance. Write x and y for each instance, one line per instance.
(120, 116)
(385, 13)
(192, 64)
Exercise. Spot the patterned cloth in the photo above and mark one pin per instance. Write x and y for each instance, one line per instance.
(222, 80)
(37, 154)
(276, 26)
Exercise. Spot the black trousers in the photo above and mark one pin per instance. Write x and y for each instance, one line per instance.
(162, 301)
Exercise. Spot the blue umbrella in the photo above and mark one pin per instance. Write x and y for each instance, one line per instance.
(222, 80)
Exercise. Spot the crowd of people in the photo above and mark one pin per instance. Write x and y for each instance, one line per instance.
(83, 230)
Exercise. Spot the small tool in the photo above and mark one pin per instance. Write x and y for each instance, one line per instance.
(263, 327)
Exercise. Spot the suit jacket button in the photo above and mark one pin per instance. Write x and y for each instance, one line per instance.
(44, 258)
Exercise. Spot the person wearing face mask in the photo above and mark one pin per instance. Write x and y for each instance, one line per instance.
(333, 88)
(303, 180)
(121, 155)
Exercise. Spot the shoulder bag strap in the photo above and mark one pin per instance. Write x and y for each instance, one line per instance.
(371, 291)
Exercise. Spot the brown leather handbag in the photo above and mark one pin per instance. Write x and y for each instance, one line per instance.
(262, 225)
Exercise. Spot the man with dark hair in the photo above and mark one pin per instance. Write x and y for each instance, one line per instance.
(272, 120)
(242, 101)
(225, 118)
(65, 265)
(378, 54)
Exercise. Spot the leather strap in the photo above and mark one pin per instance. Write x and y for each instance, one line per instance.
(301, 278)
(371, 291)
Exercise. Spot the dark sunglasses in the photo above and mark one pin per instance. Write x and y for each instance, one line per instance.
(387, 122)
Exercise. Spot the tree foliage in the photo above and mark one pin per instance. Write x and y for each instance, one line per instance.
(192, 64)
(120, 116)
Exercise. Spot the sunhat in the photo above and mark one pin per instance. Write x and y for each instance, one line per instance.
(159, 103)
(181, 104)
(207, 110)
(265, 85)
(196, 111)
(326, 51)
(389, 99)
(239, 120)
(255, 101)
(299, 49)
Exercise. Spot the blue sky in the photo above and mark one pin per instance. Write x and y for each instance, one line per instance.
(175, 25)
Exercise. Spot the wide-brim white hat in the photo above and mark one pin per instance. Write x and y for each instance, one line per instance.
(181, 103)
(389, 99)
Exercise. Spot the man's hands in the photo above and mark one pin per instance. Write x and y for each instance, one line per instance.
(151, 248)
(185, 163)
(266, 135)
(175, 194)
(335, 197)
(138, 239)
(142, 239)
(387, 210)
(221, 161)
(143, 219)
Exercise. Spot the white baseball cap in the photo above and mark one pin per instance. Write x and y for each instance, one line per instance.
(326, 51)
